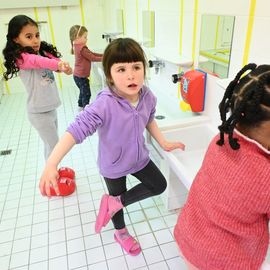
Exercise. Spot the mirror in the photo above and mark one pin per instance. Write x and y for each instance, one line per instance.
(148, 28)
(215, 44)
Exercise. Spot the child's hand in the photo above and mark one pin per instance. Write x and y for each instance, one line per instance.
(64, 67)
(49, 178)
(169, 146)
(68, 71)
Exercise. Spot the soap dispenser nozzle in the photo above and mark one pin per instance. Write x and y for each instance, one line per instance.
(177, 77)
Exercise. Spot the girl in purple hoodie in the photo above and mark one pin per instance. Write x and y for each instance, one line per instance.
(120, 114)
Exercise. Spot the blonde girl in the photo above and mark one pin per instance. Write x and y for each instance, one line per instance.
(83, 59)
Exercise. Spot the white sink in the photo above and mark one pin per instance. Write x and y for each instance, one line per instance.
(180, 167)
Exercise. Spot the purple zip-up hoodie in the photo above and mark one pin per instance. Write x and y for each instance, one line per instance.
(120, 127)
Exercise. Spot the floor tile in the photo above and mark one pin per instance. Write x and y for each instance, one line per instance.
(41, 234)
(153, 255)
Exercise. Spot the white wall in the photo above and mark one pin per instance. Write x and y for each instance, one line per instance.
(100, 16)
(167, 32)
(36, 3)
(63, 17)
(259, 45)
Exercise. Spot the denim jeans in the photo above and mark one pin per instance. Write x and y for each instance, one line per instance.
(85, 92)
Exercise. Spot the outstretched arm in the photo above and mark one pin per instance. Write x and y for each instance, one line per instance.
(50, 174)
(33, 61)
(155, 132)
(91, 56)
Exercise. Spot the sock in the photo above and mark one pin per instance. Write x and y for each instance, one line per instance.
(122, 233)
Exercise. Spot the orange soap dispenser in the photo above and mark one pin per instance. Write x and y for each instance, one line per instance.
(193, 85)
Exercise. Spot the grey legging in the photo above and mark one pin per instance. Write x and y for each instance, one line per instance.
(152, 183)
(47, 127)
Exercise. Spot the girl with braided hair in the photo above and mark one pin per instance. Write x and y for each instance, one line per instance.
(224, 223)
(83, 60)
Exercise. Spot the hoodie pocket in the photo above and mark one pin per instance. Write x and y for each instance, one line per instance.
(118, 157)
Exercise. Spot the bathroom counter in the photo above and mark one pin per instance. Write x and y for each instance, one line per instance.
(221, 57)
(171, 57)
(187, 119)
(223, 83)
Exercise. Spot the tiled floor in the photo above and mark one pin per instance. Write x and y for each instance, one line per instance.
(58, 234)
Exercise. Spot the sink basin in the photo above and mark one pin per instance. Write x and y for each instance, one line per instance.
(186, 164)
(180, 167)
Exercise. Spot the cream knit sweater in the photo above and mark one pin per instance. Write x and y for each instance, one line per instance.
(224, 224)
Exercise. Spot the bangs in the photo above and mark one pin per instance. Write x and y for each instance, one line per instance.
(121, 50)
(122, 57)
(127, 54)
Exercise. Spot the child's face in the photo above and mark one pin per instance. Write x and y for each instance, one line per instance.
(29, 36)
(82, 39)
(128, 79)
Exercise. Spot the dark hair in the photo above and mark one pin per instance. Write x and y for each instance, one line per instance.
(13, 50)
(247, 99)
(121, 50)
(74, 32)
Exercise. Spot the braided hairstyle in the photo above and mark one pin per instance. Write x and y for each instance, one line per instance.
(12, 51)
(246, 100)
(76, 31)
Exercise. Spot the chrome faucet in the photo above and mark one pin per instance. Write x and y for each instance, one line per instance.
(177, 77)
(111, 36)
(157, 64)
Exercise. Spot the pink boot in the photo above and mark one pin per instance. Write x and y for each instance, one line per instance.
(109, 205)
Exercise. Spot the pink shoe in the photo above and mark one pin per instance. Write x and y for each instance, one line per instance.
(109, 205)
(103, 214)
(129, 244)
(115, 204)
